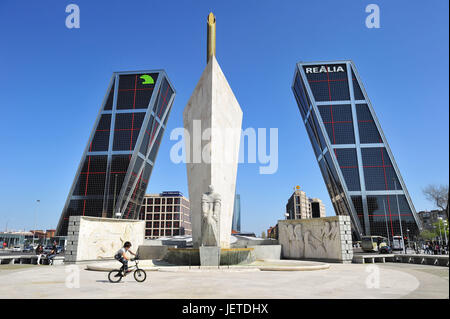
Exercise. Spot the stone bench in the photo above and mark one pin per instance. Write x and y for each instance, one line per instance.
(373, 258)
(29, 259)
(437, 260)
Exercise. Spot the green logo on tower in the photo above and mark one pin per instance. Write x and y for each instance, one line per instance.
(147, 79)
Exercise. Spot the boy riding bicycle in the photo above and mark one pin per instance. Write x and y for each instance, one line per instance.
(121, 256)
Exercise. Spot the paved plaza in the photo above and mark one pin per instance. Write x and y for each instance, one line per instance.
(338, 281)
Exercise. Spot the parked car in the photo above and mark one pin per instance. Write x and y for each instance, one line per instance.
(16, 248)
(385, 249)
(28, 249)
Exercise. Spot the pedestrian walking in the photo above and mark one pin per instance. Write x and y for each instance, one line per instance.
(39, 252)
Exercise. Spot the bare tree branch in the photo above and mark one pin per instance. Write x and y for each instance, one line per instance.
(437, 194)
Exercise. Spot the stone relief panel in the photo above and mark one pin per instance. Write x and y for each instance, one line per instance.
(101, 238)
(318, 238)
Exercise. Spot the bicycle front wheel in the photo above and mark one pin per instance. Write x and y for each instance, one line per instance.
(115, 276)
(140, 275)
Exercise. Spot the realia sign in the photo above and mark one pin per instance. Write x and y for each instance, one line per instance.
(324, 69)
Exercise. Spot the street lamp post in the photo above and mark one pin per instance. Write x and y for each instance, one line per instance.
(399, 217)
(35, 214)
(445, 232)
(385, 219)
(409, 242)
(444, 223)
(435, 238)
(440, 233)
(114, 202)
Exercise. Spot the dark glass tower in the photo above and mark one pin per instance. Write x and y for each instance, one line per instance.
(354, 157)
(118, 160)
(236, 224)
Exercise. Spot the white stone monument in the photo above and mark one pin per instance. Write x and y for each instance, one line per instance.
(211, 206)
(96, 238)
(213, 120)
(326, 238)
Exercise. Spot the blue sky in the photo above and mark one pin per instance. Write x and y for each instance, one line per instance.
(53, 80)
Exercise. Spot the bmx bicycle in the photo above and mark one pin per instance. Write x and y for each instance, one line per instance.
(139, 274)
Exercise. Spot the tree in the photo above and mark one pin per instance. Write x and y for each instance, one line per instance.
(263, 234)
(427, 235)
(438, 195)
(435, 233)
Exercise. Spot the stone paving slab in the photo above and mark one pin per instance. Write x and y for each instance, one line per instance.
(339, 281)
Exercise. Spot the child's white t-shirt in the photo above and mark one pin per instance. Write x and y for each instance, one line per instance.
(120, 252)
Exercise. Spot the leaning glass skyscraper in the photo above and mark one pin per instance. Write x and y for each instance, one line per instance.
(119, 157)
(354, 157)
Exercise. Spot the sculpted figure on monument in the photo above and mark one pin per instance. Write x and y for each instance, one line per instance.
(211, 205)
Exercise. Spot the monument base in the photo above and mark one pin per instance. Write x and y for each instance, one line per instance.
(321, 239)
(96, 238)
(191, 256)
(209, 255)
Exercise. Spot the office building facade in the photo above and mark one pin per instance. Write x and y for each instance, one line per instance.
(16, 239)
(299, 206)
(317, 208)
(120, 154)
(429, 218)
(166, 214)
(357, 165)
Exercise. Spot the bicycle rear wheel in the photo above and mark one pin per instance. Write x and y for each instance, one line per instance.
(115, 276)
(140, 275)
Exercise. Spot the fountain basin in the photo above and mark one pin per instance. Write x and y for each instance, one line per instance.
(191, 256)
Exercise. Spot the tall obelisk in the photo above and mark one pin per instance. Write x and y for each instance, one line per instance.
(213, 120)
